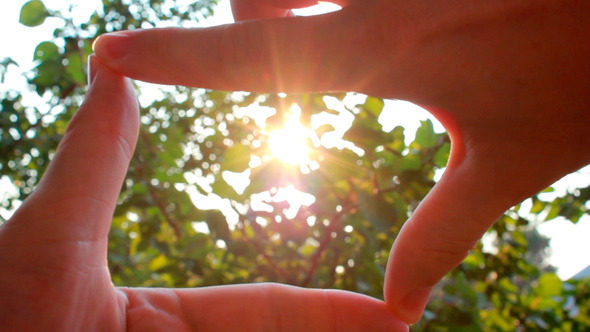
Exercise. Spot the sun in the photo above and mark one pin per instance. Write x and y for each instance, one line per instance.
(289, 144)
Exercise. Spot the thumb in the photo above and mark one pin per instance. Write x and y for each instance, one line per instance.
(438, 236)
(472, 194)
(82, 183)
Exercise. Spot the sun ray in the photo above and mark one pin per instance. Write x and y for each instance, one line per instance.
(289, 144)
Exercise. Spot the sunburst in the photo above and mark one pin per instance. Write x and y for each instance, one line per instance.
(289, 144)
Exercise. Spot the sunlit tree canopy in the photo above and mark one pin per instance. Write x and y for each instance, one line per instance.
(308, 189)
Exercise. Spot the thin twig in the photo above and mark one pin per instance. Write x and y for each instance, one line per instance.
(165, 213)
(326, 239)
(393, 151)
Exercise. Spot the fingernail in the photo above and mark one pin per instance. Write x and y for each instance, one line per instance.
(92, 68)
(413, 304)
(111, 46)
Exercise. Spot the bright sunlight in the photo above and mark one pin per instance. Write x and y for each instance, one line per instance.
(289, 144)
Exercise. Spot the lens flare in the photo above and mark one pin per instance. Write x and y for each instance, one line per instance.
(289, 144)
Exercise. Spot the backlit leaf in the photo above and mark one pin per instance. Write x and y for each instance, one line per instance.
(425, 135)
(236, 158)
(46, 51)
(33, 13)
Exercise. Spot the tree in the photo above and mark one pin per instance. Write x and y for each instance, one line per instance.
(201, 204)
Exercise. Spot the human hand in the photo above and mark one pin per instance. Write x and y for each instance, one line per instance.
(509, 80)
(53, 251)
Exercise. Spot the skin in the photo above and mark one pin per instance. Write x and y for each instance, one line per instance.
(510, 80)
(53, 262)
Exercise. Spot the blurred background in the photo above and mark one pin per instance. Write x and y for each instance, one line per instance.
(309, 189)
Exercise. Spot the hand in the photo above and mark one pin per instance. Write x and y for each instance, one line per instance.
(54, 274)
(510, 80)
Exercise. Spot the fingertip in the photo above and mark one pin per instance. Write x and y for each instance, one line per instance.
(442, 230)
(112, 46)
(109, 80)
(393, 323)
(356, 312)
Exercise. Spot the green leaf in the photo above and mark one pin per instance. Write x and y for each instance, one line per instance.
(378, 210)
(75, 70)
(410, 163)
(549, 285)
(396, 139)
(442, 155)
(366, 133)
(374, 106)
(538, 206)
(236, 158)
(33, 13)
(48, 74)
(46, 51)
(217, 224)
(465, 289)
(224, 189)
(473, 260)
(553, 212)
(158, 262)
(507, 286)
(425, 135)
(324, 129)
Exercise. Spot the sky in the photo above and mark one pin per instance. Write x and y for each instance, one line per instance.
(570, 244)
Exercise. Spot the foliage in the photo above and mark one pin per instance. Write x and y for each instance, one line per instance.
(505, 291)
(33, 13)
(183, 221)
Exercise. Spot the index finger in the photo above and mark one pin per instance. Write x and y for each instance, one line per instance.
(331, 52)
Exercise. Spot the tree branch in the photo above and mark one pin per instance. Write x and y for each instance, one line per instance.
(162, 208)
(326, 239)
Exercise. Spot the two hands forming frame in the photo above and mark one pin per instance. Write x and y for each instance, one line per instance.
(510, 81)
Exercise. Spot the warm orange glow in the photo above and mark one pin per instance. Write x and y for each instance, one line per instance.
(288, 144)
